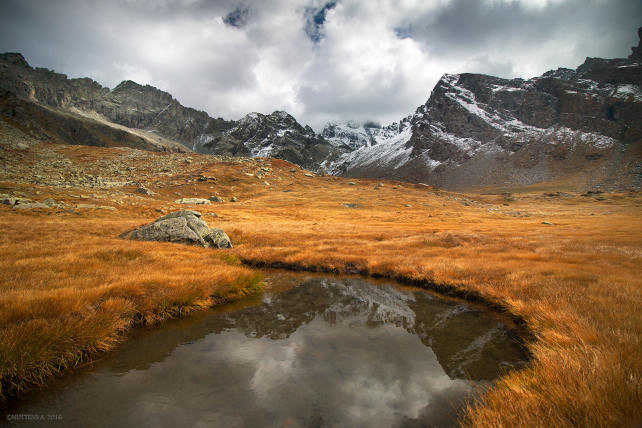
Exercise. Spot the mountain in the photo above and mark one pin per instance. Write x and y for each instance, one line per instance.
(80, 111)
(578, 126)
(277, 135)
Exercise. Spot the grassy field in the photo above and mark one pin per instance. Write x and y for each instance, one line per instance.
(568, 265)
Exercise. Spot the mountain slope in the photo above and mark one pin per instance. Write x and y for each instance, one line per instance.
(580, 125)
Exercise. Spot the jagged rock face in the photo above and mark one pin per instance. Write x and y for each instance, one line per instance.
(51, 125)
(45, 86)
(146, 107)
(277, 135)
(483, 130)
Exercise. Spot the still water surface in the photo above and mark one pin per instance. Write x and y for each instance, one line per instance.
(312, 351)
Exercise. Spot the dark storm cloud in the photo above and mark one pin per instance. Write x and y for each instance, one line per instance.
(473, 28)
(318, 59)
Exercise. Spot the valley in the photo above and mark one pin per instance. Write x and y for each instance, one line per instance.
(564, 263)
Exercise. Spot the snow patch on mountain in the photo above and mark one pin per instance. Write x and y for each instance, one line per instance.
(388, 148)
(466, 99)
(351, 135)
(627, 91)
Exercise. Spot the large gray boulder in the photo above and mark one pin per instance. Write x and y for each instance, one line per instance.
(184, 226)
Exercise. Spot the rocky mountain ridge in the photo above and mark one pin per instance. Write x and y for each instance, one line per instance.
(576, 127)
(483, 130)
(156, 118)
(277, 135)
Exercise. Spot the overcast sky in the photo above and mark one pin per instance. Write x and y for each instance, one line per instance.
(319, 60)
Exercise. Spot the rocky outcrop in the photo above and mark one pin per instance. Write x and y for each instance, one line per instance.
(184, 226)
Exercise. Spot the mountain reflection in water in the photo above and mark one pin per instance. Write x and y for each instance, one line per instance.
(328, 352)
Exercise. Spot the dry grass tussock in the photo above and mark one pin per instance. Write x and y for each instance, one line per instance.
(69, 286)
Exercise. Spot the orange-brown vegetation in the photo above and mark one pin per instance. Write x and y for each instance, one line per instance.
(70, 286)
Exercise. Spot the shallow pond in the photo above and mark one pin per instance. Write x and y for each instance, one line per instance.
(312, 351)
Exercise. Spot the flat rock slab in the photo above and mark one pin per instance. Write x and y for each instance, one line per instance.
(184, 226)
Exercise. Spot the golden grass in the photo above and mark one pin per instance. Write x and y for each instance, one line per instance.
(576, 284)
(69, 288)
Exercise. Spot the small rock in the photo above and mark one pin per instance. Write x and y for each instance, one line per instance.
(548, 222)
(266, 183)
(293, 170)
(352, 183)
(192, 201)
(216, 199)
(145, 191)
(95, 207)
(30, 205)
(307, 174)
(8, 199)
(353, 205)
(233, 199)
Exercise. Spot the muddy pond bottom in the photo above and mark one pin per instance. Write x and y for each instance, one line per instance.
(313, 351)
